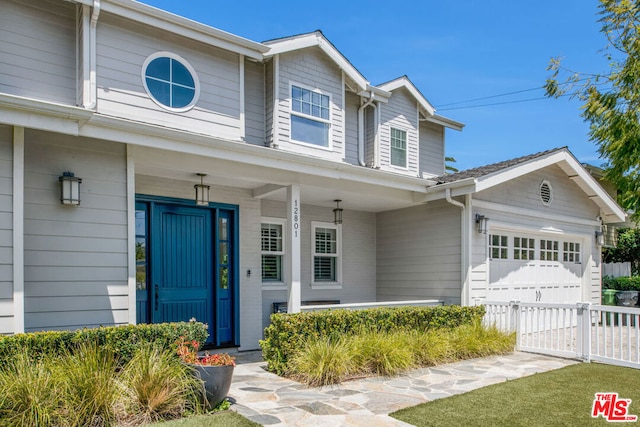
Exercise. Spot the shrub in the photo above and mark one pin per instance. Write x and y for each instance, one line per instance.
(156, 386)
(324, 362)
(329, 361)
(383, 353)
(122, 341)
(89, 387)
(623, 283)
(288, 333)
(30, 393)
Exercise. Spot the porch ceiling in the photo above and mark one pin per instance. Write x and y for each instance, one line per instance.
(314, 189)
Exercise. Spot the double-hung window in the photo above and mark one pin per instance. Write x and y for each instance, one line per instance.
(326, 252)
(272, 237)
(398, 147)
(310, 116)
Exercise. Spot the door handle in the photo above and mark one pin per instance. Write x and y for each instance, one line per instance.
(156, 297)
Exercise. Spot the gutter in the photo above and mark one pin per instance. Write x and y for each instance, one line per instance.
(464, 231)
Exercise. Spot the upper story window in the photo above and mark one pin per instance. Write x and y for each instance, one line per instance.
(272, 234)
(310, 118)
(170, 81)
(398, 148)
(326, 252)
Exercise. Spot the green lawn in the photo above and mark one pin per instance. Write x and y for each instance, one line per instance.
(563, 397)
(219, 419)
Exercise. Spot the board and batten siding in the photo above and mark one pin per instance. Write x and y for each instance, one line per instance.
(358, 256)
(122, 49)
(352, 104)
(250, 304)
(419, 253)
(254, 102)
(431, 149)
(75, 256)
(399, 113)
(312, 69)
(6, 230)
(37, 50)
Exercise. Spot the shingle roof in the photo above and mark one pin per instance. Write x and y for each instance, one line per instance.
(492, 168)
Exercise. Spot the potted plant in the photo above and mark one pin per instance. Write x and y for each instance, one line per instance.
(215, 370)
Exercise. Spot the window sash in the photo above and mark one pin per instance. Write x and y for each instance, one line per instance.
(326, 253)
(398, 147)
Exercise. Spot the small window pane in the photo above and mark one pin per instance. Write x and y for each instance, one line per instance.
(324, 269)
(181, 75)
(159, 68)
(161, 91)
(182, 96)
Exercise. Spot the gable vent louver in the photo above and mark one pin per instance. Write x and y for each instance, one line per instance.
(546, 193)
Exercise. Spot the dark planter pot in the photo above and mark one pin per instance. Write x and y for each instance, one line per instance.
(216, 380)
(627, 298)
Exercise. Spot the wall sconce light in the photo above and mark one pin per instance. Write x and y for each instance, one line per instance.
(337, 212)
(202, 191)
(69, 189)
(481, 223)
(599, 238)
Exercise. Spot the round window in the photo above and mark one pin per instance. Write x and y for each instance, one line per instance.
(170, 81)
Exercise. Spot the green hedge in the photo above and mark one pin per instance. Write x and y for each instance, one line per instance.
(287, 332)
(122, 340)
(621, 283)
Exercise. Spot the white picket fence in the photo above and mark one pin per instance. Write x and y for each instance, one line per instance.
(616, 269)
(602, 333)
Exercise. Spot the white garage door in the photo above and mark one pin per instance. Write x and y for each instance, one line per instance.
(535, 268)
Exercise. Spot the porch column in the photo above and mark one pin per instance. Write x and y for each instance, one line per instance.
(18, 229)
(293, 249)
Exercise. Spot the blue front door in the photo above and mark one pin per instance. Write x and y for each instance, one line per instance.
(192, 267)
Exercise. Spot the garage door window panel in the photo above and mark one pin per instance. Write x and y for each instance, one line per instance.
(499, 246)
(549, 250)
(523, 248)
(571, 252)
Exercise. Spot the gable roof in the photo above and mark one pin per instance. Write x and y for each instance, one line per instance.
(481, 178)
(316, 38)
(428, 109)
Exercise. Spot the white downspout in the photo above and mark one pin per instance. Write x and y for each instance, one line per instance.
(361, 129)
(376, 137)
(93, 94)
(463, 241)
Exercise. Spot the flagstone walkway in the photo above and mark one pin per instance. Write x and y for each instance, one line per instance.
(274, 401)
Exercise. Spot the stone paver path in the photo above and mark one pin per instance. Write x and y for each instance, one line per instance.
(274, 401)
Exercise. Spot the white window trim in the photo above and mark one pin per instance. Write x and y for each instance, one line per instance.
(327, 285)
(329, 147)
(275, 285)
(185, 63)
(406, 149)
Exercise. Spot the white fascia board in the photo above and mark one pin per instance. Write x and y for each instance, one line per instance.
(175, 24)
(599, 195)
(43, 115)
(446, 122)
(406, 83)
(129, 132)
(316, 39)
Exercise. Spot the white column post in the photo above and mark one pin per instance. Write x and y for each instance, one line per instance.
(131, 233)
(18, 229)
(293, 249)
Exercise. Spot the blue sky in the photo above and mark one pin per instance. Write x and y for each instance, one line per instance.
(453, 51)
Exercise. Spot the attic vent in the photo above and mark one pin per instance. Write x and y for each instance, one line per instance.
(546, 193)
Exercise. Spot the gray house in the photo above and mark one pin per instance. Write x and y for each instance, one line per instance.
(156, 169)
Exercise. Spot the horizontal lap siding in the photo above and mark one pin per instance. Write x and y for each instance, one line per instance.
(37, 50)
(75, 256)
(120, 56)
(358, 256)
(312, 69)
(400, 113)
(6, 230)
(254, 102)
(419, 253)
(431, 149)
(351, 128)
